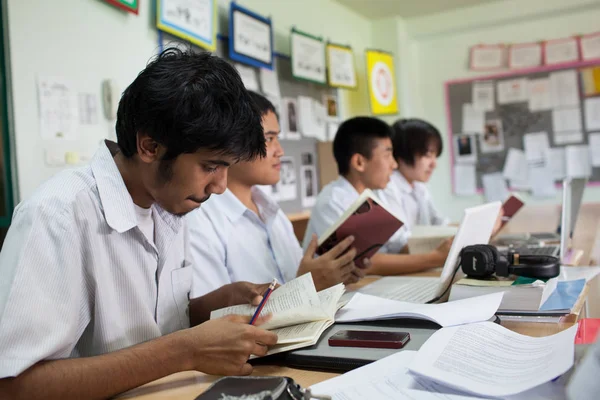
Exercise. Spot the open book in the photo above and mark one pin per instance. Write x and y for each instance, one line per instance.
(426, 238)
(371, 224)
(299, 314)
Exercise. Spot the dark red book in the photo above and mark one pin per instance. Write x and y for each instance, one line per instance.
(510, 207)
(371, 224)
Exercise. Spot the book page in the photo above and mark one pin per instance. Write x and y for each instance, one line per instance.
(293, 303)
(490, 360)
(330, 298)
(301, 332)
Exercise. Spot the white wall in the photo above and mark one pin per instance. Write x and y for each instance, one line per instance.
(434, 49)
(88, 41)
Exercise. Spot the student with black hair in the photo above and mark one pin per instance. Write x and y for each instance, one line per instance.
(417, 146)
(363, 151)
(244, 235)
(96, 276)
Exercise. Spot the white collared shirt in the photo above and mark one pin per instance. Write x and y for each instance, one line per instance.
(416, 201)
(335, 198)
(230, 243)
(80, 279)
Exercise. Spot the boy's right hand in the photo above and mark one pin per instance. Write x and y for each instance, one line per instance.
(443, 249)
(223, 346)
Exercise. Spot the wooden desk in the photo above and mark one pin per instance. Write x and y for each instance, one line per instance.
(188, 385)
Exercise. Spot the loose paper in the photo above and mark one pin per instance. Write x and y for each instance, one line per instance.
(289, 118)
(58, 108)
(566, 119)
(513, 91)
(312, 118)
(308, 183)
(248, 76)
(561, 51)
(525, 55)
(578, 161)
(541, 181)
(483, 96)
(472, 119)
(494, 187)
(464, 179)
(564, 88)
(556, 161)
(594, 140)
(590, 47)
(515, 164)
(286, 188)
(535, 145)
(568, 137)
(592, 114)
(269, 83)
(492, 140)
(465, 149)
(540, 96)
(490, 360)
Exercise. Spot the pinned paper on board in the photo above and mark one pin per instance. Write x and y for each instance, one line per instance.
(88, 109)
(512, 91)
(590, 46)
(248, 75)
(592, 114)
(483, 96)
(594, 143)
(578, 163)
(536, 145)
(494, 187)
(561, 51)
(269, 82)
(286, 188)
(525, 55)
(515, 164)
(564, 88)
(332, 128)
(472, 119)
(541, 181)
(58, 108)
(555, 159)
(540, 96)
(312, 118)
(566, 119)
(492, 140)
(308, 184)
(465, 180)
(465, 149)
(289, 118)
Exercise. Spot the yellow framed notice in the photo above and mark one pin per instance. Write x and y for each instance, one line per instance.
(381, 81)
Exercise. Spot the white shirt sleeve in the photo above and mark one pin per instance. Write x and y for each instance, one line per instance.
(323, 215)
(45, 301)
(207, 253)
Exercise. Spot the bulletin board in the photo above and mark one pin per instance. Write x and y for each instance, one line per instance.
(516, 118)
(299, 169)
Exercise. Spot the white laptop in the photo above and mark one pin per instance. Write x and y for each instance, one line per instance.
(476, 228)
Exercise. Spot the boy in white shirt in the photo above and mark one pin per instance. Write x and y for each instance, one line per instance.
(363, 151)
(417, 146)
(96, 275)
(244, 235)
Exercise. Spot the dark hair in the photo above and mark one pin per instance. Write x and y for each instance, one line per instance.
(186, 101)
(414, 137)
(357, 135)
(263, 104)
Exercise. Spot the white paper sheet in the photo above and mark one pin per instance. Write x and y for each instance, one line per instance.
(252, 37)
(488, 359)
(592, 114)
(312, 118)
(289, 118)
(566, 119)
(248, 76)
(88, 109)
(332, 128)
(494, 187)
(465, 149)
(590, 47)
(520, 184)
(561, 138)
(286, 188)
(308, 58)
(483, 96)
(535, 144)
(341, 67)
(525, 55)
(364, 307)
(564, 88)
(540, 96)
(578, 161)
(472, 119)
(464, 179)
(195, 17)
(58, 108)
(513, 91)
(515, 164)
(594, 143)
(488, 57)
(541, 181)
(269, 83)
(556, 161)
(308, 185)
(561, 51)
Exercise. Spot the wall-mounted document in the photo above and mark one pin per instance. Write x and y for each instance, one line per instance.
(494, 187)
(250, 37)
(566, 119)
(535, 145)
(541, 181)
(464, 180)
(592, 114)
(590, 46)
(564, 88)
(312, 118)
(381, 82)
(472, 119)
(270, 83)
(482, 96)
(486, 57)
(515, 164)
(525, 55)
(248, 75)
(561, 51)
(194, 21)
(578, 161)
(58, 108)
(594, 143)
(556, 161)
(340, 66)
(540, 96)
(308, 57)
(512, 91)
(490, 360)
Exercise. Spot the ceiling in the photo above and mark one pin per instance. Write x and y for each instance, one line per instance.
(374, 9)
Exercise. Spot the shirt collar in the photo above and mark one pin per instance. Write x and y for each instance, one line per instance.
(234, 209)
(115, 199)
(345, 184)
(403, 184)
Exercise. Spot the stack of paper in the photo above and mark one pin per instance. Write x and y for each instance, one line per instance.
(299, 314)
(364, 307)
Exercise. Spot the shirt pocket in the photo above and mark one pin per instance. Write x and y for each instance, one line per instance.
(181, 280)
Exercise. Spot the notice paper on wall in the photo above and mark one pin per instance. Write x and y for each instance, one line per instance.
(513, 91)
(248, 75)
(535, 145)
(58, 108)
(566, 119)
(494, 187)
(483, 96)
(472, 119)
(578, 163)
(269, 82)
(594, 143)
(465, 179)
(565, 88)
(540, 96)
(541, 181)
(515, 164)
(555, 159)
(592, 114)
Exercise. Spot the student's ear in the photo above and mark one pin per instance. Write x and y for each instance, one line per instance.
(358, 162)
(147, 148)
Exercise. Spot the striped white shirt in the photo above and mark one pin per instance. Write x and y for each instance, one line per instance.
(230, 243)
(79, 278)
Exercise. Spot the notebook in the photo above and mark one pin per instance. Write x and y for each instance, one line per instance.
(371, 224)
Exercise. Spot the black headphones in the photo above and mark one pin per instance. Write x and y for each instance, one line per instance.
(482, 261)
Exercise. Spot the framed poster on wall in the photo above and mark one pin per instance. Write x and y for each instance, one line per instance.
(191, 20)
